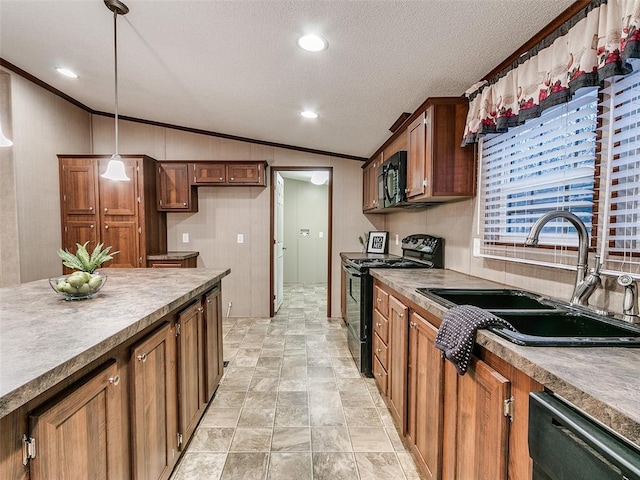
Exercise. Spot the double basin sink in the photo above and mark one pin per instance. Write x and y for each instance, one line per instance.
(539, 320)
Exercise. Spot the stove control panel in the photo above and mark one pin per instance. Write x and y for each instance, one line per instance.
(425, 248)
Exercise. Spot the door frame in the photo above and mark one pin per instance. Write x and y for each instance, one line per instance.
(274, 170)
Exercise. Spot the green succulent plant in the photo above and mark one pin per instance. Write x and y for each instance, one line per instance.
(82, 260)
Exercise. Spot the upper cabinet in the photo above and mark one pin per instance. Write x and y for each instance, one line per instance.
(438, 168)
(120, 214)
(178, 181)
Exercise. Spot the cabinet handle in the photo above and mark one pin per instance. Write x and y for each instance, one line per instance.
(379, 300)
(209, 301)
(400, 315)
(200, 309)
(115, 380)
(413, 324)
(106, 227)
(379, 374)
(378, 349)
(378, 324)
(143, 357)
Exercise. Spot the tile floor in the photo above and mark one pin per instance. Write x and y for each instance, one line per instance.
(293, 406)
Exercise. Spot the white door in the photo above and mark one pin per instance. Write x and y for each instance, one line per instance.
(278, 244)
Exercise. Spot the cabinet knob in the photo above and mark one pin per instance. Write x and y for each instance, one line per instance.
(92, 226)
(209, 301)
(200, 309)
(143, 357)
(379, 374)
(184, 204)
(378, 324)
(115, 380)
(106, 209)
(413, 324)
(91, 209)
(378, 349)
(231, 178)
(400, 315)
(106, 227)
(223, 179)
(379, 300)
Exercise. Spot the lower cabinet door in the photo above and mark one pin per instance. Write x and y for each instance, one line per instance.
(213, 341)
(154, 410)
(425, 396)
(81, 435)
(191, 379)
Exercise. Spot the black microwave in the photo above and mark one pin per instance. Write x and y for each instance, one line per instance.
(392, 180)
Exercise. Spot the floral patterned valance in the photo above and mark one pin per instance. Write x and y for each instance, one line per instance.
(599, 42)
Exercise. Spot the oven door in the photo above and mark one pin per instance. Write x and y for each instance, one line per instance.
(353, 295)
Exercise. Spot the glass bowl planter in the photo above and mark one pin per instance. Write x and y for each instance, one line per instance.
(78, 285)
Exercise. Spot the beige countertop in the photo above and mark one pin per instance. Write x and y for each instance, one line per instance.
(602, 381)
(44, 338)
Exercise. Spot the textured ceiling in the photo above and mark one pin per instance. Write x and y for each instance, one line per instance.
(234, 66)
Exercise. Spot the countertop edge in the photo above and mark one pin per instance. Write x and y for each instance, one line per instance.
(40, 384)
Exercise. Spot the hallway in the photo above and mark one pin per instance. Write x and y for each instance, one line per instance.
(292, 404)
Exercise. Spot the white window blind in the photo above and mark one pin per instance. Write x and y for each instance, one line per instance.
(619, 223)
(546, 164)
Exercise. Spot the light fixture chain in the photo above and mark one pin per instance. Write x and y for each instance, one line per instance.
(115, 55)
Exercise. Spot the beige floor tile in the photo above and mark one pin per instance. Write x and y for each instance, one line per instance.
(292, 416)
(369, 439)
(228, 399)
(334, 466)
(265, 399)
(378, 466)
(291, 439)
(362, 417)
(245, 466)
(293, 399)
(221, 417)
(326, 416)
(330, 439)
(290, 466)
(257, 417)
(251, 439)
(211, 440)
(200, 466)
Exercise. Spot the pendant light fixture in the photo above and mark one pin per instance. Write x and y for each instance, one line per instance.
(115, 167)
(4, 141)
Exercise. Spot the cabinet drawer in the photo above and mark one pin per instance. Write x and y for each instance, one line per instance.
(381, 301)
(380, 350)
(381, 376)
(381, 326)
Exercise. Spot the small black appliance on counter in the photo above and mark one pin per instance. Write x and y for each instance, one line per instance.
(418, 251)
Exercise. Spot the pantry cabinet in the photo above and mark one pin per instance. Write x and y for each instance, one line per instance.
(154, 405)
(438, 168)
(81, 432)
(122, 215)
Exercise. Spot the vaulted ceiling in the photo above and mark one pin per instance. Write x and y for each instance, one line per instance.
(234, 66)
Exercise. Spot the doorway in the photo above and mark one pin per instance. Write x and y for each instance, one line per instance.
(301, 233)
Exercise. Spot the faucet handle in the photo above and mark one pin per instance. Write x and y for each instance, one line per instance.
(597, 266)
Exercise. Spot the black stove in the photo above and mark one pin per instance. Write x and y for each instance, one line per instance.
(418, 251)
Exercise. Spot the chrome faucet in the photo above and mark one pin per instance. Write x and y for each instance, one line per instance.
(584, 285)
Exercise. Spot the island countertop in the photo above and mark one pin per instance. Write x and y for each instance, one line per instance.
(602, 381)
(44, 338)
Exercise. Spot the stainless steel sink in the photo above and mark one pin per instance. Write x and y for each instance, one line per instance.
(541, 321)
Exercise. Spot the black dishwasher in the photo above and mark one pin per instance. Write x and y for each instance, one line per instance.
(566, 445)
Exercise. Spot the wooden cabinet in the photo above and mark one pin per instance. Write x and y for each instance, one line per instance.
(398, 351)
(81, 432)
(209, 173)
(213, 350)
(438, 168)
(424, 392)
(120, 214)
(173, 260)
(245, 174)
(175, 192)
(191, 370)
(380, 342)
(154, 405)
(476, 427)
(370, 184)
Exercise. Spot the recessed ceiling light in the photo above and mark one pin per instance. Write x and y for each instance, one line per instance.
(312, 43)
(309, 114)
(66, 72)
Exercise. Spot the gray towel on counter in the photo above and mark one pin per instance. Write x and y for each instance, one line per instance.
(457, 333)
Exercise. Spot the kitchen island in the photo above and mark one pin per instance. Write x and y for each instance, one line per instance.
(50, 348)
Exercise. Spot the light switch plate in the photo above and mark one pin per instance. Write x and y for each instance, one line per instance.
(185, 238)
(476, 247)
(320, 234)
(397, 239)
(240, 238)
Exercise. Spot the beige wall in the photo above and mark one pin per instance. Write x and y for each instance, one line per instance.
(226, 211)
(305, 207)
(42, 126)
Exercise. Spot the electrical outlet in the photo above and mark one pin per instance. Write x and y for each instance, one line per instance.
(321, 235)
(397, 239)
(185, 238)
(240, 238)
(476, 247)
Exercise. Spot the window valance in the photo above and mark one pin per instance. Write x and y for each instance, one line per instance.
(599, 42)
